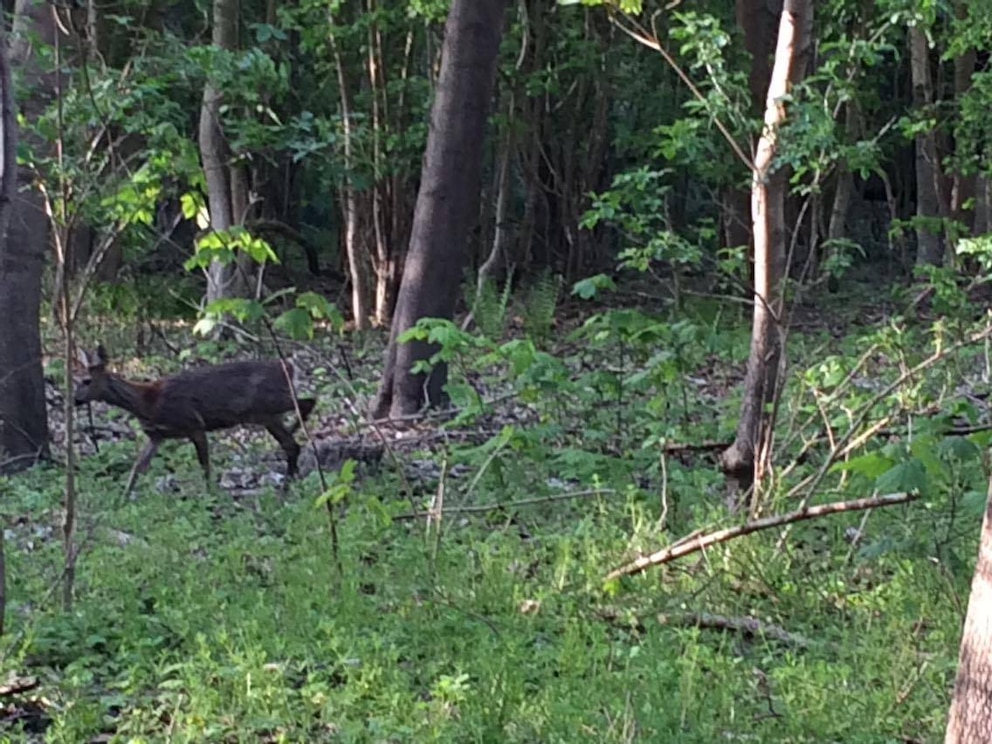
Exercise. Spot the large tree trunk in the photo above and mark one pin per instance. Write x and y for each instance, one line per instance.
(768, 191)
(929, 243)
(448, 201)
(970, 719)
(226, 190)
(23, 242)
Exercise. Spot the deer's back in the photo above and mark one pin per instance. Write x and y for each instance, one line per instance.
(218, 397)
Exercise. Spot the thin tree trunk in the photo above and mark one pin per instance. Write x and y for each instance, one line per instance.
(360, 291)
(497, 258)
(757, 19)
(929, 245)
(983, 207)
(743, 461)
(963, 187)
(223, 280)
(837, 224)
(381, 258)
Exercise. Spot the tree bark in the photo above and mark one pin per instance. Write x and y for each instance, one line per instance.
(963, 189)
(929, 243)
(359, 276)
(382, 259)
(768, 191)
(224, 189)
(983, 212)
(756, 18)
(970, 717)
(23, 242)
(447, 203)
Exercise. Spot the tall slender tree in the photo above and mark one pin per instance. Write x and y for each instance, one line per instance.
(768, 192)
(227, 185)
(447, 203)
(929, 239)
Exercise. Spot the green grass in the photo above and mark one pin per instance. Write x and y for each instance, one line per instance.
(220, 622)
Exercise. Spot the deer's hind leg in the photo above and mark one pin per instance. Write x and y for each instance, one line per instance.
(199, 440)
(306, 407)
(286, 441)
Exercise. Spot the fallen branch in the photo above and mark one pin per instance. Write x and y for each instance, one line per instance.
(483, 508)
(750, 627)
(15, 685)
(676, 448)
(747, 625)
(702, 542)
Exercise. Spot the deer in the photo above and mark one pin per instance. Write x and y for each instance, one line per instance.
(189, 404)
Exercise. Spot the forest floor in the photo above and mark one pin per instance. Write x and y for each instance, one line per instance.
(334, 610)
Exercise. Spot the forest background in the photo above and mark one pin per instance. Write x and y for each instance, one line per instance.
(695, 296)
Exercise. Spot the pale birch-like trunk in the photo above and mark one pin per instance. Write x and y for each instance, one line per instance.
(744, 461)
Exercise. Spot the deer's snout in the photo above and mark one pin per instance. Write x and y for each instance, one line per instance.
(81, 392)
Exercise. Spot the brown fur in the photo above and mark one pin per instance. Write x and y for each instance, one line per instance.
(191, 403)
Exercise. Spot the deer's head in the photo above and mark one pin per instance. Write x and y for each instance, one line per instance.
(91, 375)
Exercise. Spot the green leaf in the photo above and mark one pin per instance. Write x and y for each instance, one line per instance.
(906, 477)
(590, 287)
(205, 326)
(296, 323)
(871, 465)
(973, 504)
(960, 448)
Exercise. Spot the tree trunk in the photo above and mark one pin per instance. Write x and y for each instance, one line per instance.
(382, 259)
(970, 718)
(360, 290)
(983, 209)
(963, 188)
(929, 244)
(224, 280)
(840, 205)
(756, 18)
(23, 243)
(448, 201)
(496, 266)
(768, 189)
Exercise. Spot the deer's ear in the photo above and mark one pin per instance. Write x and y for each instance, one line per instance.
(82, 360)
(101, 354)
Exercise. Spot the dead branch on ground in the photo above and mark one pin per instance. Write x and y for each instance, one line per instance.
(704, 541)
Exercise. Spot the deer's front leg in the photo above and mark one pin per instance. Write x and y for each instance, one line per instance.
(141, 464)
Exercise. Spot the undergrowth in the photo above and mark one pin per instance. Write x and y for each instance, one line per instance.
(202, 617)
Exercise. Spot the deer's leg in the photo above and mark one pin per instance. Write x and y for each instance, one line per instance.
(288, 444)
(199, 440)
(141, 464)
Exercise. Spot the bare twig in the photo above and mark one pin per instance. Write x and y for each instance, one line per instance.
(810, 483)
(641, 35)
